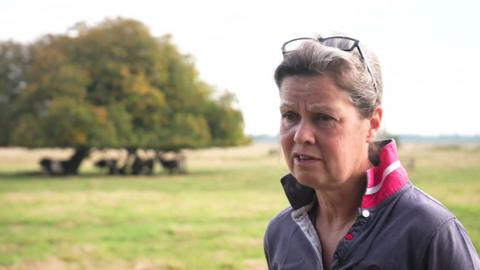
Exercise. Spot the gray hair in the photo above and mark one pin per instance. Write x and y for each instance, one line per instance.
(347, 68)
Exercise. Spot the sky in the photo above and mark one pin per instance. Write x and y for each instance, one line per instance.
(429, 49)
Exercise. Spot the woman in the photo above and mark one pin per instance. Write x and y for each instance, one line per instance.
(352, 205)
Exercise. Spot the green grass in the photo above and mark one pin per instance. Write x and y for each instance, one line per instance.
(212, 218)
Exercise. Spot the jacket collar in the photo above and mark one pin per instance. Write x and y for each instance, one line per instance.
(383, 180)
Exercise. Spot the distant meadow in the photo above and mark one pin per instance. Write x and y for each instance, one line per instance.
(214, 217)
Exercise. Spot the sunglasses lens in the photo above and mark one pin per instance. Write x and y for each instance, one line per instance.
(341, 43)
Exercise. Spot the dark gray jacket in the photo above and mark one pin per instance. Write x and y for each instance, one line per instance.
(398, 227)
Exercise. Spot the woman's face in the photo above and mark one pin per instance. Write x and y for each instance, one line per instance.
(324, 138)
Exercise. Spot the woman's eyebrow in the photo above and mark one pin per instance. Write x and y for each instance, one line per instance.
(286, 105)
(321, 107)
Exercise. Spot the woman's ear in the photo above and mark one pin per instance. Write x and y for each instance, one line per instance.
(375, 120)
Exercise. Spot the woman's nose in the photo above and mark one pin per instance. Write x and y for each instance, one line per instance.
(304, 134)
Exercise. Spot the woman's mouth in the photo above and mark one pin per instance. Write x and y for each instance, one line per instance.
(304, 159)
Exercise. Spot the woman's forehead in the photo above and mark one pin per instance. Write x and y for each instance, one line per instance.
(309, 84)
(311, 89)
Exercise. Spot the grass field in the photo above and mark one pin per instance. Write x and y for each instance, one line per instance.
(212, 218)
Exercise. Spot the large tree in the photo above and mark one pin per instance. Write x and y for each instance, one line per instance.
(110, 85)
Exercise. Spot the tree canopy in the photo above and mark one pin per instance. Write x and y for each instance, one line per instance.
(110, 85)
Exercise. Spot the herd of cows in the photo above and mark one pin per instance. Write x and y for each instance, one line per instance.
(133, 164)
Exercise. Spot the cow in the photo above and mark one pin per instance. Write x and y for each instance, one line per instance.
(110, 164)
(142, 166)
(175, 165)
(53, 167)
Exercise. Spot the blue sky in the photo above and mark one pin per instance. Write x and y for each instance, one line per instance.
(429, 50)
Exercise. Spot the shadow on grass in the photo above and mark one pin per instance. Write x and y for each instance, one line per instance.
(37, 175)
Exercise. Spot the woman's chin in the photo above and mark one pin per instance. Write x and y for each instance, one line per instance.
(315, 180)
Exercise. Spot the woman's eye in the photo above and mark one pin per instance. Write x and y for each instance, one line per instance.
(289, 116)
(325, 120)
(324, 117)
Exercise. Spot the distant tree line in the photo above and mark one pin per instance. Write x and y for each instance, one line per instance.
(112, 85)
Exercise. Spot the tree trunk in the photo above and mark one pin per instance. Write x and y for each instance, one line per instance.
(71, 166)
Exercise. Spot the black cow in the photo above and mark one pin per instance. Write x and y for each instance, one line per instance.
(142, 166)
(53, 167)
(64, 167)
(137, 167)
(110, 164)
(176, 165)
(58, 167)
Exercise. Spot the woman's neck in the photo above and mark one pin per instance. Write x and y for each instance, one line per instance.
(338, 207)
